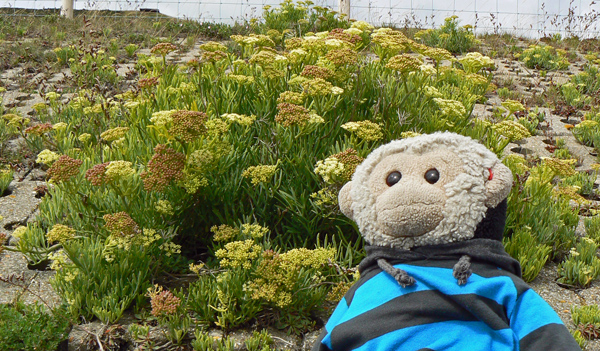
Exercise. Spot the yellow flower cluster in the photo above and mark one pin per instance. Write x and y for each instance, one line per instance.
(365, 130)
(52, 96)
(255, 231)
(338, 291)
(320, 87)
(196, 267)
(570, 192)
(40, 107)
(512, 106)
(586, 124)
(19, 232)
(511, 130)
(331, 169)
(170, 248)
(15, 120)
(476, 79)
(162, 118)
(362, 25)
(291, 97)
(325, 198)
(47, 157)
(279, 274)
(164, 207)
(392, 42)
(114, 133)
(438, 54)
(562, 168)
(60, 233)
(239, 119)
(117, 170)
(404, 63)
(213, 46)
(303, 257)
(342, 57)
(451, 108)
(96, 108)
(85, 138)
(238, 254)
(255, 40)
(409, 134)
(432, 92)
(241, 79)
(59, 260)
(473, 62)
(147, 237)
(260, 174)
(224, 232)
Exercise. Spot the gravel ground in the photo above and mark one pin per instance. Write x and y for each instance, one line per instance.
(21, 205)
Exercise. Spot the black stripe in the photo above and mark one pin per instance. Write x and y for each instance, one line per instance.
(482, 269)
(317, 346)
(364, 277)
(413, 309)
(551, 337)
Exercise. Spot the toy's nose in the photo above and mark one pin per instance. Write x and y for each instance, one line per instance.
(410, 208)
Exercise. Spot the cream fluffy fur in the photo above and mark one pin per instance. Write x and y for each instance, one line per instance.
(468, 196)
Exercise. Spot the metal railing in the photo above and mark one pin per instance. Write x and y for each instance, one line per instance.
(531, 18)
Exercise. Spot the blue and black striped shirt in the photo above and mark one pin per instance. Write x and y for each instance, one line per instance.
(495, 310)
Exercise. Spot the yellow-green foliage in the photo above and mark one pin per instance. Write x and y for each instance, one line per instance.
(584, 181)
(582, 265)
(587, 132)
(544, 57)
(531, 255)
(6, 177)
(587, 321)
(586, 315)
(449, 36)
(587, 81)
(255, 277)
(263, 130)
(581, 341)
(528, 209)
(592, 228)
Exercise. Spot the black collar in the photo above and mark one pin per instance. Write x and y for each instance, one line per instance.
(480, 250)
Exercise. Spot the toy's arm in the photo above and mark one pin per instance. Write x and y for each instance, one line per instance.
(323, 342)
(538, 327)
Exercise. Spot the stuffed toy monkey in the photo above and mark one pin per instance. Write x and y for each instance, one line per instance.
(436, 276)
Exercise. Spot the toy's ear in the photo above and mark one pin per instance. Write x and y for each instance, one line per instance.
(345, 200)
(499, 184)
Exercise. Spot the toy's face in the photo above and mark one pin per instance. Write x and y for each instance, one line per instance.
(427, 190)
(410, 192)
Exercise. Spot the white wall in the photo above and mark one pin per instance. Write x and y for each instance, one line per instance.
(525, 17)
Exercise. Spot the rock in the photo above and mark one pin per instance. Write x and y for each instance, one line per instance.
(17, 208)
(309, 340)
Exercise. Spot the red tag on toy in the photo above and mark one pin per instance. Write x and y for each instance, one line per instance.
(491, 175)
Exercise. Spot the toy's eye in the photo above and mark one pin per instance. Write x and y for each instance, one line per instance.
(432, 176)
(393, 178)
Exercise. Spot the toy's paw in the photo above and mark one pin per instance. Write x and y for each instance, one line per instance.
(462, 270)
(399, 275)
(404, 279)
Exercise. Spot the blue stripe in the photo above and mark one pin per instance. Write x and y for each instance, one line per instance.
(531, 313)
(383, 288)
(337, 315)
(447, 336)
